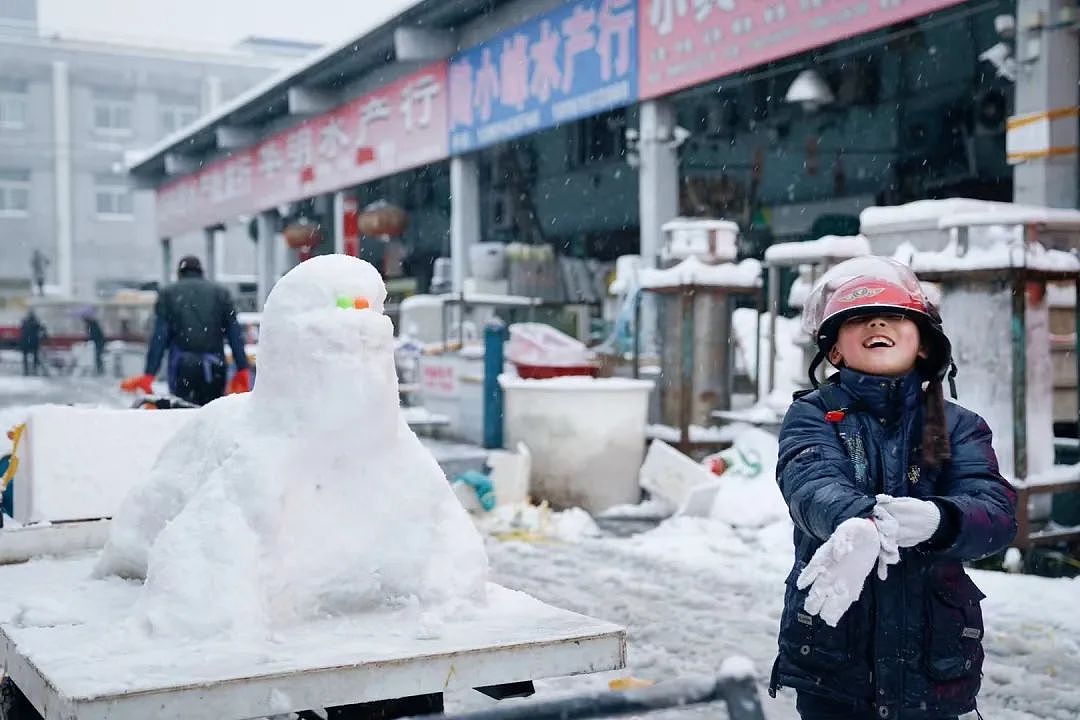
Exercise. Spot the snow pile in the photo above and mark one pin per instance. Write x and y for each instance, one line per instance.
(828, 247)
(693, 271)
(307, 497)
(748, 499)
(697, 433)
(523, 521)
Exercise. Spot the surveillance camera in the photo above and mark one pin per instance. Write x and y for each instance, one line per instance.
(1005, 25)
(681, 134)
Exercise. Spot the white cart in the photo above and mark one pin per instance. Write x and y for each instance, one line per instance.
(69, 645)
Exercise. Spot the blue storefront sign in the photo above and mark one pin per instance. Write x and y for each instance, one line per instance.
(576, 61)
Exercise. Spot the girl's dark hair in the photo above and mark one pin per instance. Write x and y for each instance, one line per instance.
(935, 434)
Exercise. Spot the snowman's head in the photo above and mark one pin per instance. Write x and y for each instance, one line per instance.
(323, 326)
(320, 284)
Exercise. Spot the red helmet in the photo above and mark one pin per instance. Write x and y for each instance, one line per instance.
(872, 285)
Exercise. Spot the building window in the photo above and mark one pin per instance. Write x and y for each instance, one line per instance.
(113, 200)
(12, 110)
(14, 193)
(112, 117)
(175, 116)
(600, 138)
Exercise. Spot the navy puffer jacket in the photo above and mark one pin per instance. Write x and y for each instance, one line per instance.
(910, 647)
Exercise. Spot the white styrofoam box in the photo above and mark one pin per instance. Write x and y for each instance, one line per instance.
(510, 474)
(488, 260)
(678, 480)
(79, 463)
(420, 317)
(708, 239)
(586, 437)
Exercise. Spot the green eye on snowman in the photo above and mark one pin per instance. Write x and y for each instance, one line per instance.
(358, 303)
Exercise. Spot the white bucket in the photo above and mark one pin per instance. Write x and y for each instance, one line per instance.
(488, 260)
(586, 436)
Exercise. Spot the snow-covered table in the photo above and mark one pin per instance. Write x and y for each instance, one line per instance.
(68, 642)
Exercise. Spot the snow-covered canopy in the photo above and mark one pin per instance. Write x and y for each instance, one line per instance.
(829, 247)
(693, 271)
(1009, 214)
(1001, 252)
(921, 214)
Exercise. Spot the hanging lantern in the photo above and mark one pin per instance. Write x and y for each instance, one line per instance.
(302, 234)
(382, 220)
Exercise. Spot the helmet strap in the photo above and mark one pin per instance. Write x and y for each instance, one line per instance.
(952, 379)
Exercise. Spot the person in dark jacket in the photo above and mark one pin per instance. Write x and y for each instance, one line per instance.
(96, 336)
(194, 318)
(870, 450)
(31, 333)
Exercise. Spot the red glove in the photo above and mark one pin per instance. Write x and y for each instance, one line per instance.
(138, 382)
(241, 382)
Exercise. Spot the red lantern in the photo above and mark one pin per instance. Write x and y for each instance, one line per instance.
(383, 220)
(302, 235)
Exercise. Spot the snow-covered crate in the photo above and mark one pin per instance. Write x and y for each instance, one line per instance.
(709, 240)
(916, 223)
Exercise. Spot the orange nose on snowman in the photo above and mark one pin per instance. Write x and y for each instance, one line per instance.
(356, 303)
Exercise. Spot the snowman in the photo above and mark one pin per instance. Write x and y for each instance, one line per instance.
(307, 497)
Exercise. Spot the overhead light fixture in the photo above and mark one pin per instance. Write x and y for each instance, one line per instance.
(810, 90)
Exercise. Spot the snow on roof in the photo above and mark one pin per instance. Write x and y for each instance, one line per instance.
(829, 247)
(693, 271)
(919, 215)
(1001, 254)
(957, 212)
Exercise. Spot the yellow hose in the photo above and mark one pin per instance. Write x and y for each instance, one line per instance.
(15, 434)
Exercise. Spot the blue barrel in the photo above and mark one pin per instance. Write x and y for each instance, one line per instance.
(494, 342)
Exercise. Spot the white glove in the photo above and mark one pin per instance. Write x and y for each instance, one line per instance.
(887, 528)
(917, 519)
(837, 571)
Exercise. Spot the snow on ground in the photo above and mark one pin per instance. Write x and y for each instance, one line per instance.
(694, 592)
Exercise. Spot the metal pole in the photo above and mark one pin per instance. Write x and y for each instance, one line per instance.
(166, 261)
(63, 176)
(264, 262)
(1076, 350)
(494, 343)
(686, 356)
(464, 216)
(658, 196)
(1019, 374)
(773, 309)
(637, 334)
(210, 268)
